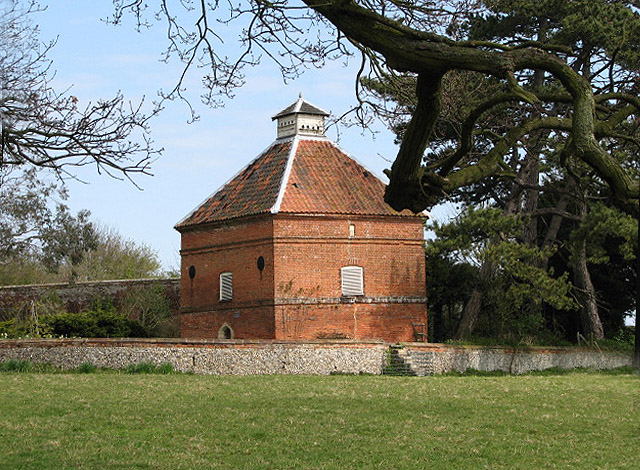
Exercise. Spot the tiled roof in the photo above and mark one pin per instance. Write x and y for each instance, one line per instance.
(252, 191)
(325, 180)
(301, 175)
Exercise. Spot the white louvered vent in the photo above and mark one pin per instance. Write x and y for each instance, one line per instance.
(352, 282)
(226, 286)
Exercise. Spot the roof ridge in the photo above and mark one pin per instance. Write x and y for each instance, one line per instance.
(285, 175)
(349, 155)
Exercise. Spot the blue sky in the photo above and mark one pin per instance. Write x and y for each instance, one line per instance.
(97, 60)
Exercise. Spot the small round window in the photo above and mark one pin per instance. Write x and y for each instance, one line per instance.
(192, 272)
(260, 263)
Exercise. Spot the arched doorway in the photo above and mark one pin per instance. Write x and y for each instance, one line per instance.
(225, 332)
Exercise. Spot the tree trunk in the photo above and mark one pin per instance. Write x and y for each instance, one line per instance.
(589, 318)
(586, 293)
(471, 313)
(437, 323)
(472, 307)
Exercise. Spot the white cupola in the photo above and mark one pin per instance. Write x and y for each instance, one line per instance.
(301, 118)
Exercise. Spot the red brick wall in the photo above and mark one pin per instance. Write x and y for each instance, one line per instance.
(253, 322)
(380, 321)
(233, 247)
(303, 257)
(310, 251)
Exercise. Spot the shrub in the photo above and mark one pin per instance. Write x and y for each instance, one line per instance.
(150, 306)
(623, 340)
(15, 365)
(86, 368)
(165, 368)
(94, 324)
(90, 324)
(16, 328)
(7, 329)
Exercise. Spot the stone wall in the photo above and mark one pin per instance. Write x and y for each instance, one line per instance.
(322, 357)
(79, 296)
(428, 359)
(222, 357)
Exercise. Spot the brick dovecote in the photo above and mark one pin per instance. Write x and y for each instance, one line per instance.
(284, 228)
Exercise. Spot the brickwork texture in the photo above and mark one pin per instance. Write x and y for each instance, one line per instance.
(297, 295)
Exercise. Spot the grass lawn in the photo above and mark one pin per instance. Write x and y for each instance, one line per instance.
(118, 421)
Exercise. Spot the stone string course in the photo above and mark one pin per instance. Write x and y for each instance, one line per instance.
(322, 357)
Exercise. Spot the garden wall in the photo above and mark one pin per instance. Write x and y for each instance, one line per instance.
(427, 359)
(322, 357)
(79, 296)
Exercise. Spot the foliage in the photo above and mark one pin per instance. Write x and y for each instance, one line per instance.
(601, 225)
(15, 366)
(116, 257)
(94, 324)
(150, 306)
(144, 311)
(23, 270)
(623, 340)
(516, 282)
(68, 242)
(542, 338)
(98, 253)
(119, 420)
(23, 366)
(149, 368)
(98, 323)
(86, 368)
(449, 284)
(33, 232)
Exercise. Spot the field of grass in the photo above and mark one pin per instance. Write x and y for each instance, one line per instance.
(119, 421)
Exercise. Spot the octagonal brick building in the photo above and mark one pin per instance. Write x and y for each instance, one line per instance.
(300, 245)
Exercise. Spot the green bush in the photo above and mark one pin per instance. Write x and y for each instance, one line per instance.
(94, 324)
(102, 321)
(7, 329)
(16, 329)
(150, 306)
(15, 365)
(86, 368)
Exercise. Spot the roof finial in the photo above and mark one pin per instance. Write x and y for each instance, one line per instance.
(300, 95)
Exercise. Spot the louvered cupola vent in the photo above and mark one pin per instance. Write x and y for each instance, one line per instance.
(301, 118)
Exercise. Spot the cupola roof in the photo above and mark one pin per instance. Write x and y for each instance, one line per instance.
(301, 106)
